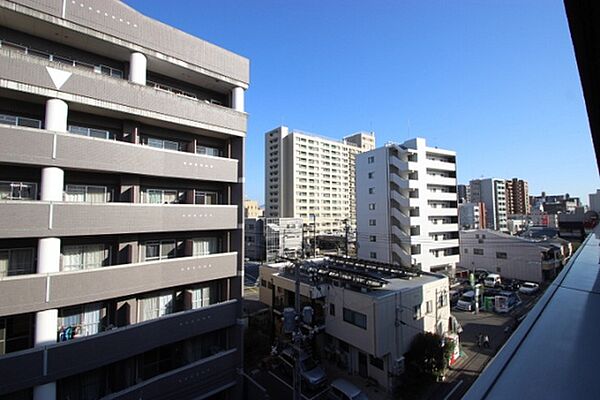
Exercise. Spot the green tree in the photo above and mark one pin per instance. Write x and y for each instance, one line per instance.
(428, 356)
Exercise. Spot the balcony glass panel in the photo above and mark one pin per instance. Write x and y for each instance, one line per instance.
(90, 256)
(79, 321)
(155, 306)
(87, 194)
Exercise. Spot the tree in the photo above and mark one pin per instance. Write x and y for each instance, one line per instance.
(428, 356)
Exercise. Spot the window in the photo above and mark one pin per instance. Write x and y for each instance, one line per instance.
(376, 362)
(501, 255)
(75, 258)
(355, 318)
(372, 190)
(15, 333)
(155, 306)
(371, 174)
(160, 250)
(498, 269)
(332, 309)
(372, 222)
(417, 312)
(204, 197)
(203, 296)
(79, 321)
(429, 306)
(478, 252)
(371, 206)
(373, 255)
(205, 246)
(466, 251)
(16, 262)
(18, 191)
(209, 151)
(370, 159)
(161, 143)
(162, 196)
(442, 300)
(91, 132)
(86, 194)
(372, 238)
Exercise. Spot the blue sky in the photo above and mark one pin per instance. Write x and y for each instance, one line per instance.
(495, 81)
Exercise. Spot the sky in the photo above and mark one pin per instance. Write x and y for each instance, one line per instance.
(494, 80)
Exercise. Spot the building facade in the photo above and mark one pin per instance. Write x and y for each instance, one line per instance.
(252, 209)
(407, 206)
(517, 197)
(471, 216)
(268, 239)
(492, 193)
(595, 201)
(463, 193)
(533, 260)
(366, 330)
(121, 184)
(311, 177)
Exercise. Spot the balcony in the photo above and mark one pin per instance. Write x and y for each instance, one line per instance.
(30, 146)
(441, 196)
(440, 180)
(435, 228)
(79, 355)
(442, 211)
(441, 165)
(31, 293)
(118, 95)
(56, 219)
(212, 374)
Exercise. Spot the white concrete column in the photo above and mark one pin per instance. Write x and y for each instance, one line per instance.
(56, 115)
(237, 99)
(51, 187)
(46, 322)
(45, 392)
(137, 68)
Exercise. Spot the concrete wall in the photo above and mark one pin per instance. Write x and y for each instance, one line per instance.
(523, 259)
(40, 147)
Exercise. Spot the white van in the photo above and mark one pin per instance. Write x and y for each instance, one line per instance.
(492, 280)
(466, 302)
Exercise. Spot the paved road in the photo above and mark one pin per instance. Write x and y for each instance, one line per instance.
(279, 386)
(475, 358)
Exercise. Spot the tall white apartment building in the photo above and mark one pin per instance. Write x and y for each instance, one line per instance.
(311, 177)
(407, 205)
(491, 192)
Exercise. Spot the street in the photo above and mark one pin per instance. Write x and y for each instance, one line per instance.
(474, 358)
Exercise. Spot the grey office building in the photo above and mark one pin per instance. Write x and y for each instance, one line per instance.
(121, 218)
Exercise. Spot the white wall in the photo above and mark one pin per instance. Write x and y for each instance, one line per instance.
(523, 258)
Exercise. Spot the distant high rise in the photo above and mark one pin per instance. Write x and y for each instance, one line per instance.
(463, 193)
(407, 205)
(517, 197)
(491, 192)
(311, 177)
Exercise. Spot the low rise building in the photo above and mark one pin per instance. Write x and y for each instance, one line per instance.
(252, 209)
(534, 260)
(471, 216)
(370, 311)
(267, 239)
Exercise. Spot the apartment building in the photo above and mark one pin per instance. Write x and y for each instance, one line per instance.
(311, 177)
(252, 209)
(368, 324)
(492, 193)
(407, 205)
(267, 239)
(471, 216)
(517, 197)
(121, 174)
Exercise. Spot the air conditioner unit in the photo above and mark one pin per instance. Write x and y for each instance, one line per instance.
(398, 366)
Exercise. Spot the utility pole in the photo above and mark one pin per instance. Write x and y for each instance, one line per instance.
(347, 226)
(297, 335)
(314, 235)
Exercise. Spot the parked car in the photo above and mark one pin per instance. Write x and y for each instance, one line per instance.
(341, 389)
(492, 280)
(511, 284)
(454, 296)
(529, 288)
(466, 302)
(312, 373)
(505, 301)
(480, 274)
